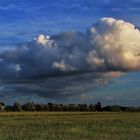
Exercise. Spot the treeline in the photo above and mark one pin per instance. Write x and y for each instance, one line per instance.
(69, 107)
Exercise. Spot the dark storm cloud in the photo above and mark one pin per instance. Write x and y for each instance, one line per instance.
(55, 88)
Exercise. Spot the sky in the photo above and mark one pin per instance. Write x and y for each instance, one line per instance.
(67, 73)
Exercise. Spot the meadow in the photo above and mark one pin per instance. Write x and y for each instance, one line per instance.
(69, 126)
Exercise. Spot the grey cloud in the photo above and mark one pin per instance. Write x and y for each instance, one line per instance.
(55, 88)
(109, 45)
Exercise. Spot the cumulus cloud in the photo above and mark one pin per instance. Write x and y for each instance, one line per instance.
(110, 45)
(117, 45)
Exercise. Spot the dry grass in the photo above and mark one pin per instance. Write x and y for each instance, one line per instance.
(69, 126)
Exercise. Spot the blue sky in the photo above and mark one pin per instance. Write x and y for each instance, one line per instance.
(22, 20)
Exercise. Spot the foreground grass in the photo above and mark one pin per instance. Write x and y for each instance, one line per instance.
(69, 126)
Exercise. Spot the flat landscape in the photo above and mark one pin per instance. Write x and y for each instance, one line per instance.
(69, 126)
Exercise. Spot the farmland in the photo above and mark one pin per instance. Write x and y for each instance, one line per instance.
(69, 126)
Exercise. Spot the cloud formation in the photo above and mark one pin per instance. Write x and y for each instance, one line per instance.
(117, 45)
(63, 89)
(109, 45)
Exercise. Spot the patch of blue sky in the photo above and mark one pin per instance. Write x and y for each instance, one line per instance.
(54, 16)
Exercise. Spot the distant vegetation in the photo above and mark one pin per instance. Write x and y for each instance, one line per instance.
(69, 107)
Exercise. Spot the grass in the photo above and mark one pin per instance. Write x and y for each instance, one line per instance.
(69, 126)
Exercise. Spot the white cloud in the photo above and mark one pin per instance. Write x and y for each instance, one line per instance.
(110, 45)
(62, 66)
(42, 39)
(117, 42)
(17, 67)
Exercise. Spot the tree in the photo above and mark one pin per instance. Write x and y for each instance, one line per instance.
(92, 107)
(115, 108)
(8, 108)
(29, 107)
(39, 107)
(98, 106)
(82, 107)
(2, 103)
(2, 106)
(51, 107)
(17, 107)
(58, 107)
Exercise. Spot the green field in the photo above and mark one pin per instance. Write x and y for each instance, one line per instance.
(69, 126)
